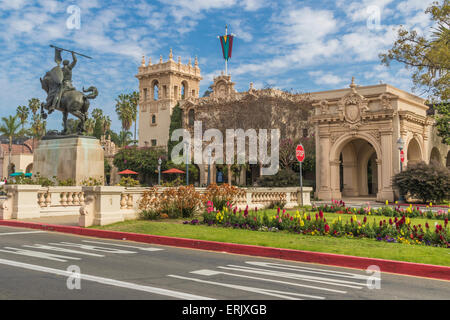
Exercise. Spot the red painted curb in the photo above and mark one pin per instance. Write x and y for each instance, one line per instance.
(391, 266)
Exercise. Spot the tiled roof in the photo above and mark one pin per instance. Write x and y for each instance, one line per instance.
(17, 148)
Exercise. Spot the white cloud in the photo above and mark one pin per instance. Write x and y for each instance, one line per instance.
(305, 25)
(326, 78)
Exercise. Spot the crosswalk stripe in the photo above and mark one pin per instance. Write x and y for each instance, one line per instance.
(107, 281)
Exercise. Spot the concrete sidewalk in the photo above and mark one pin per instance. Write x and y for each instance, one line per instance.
(61, 221)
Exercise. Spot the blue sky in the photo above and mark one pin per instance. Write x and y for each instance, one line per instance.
(301, 45)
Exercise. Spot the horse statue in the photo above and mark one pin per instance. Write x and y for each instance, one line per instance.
(62, 96)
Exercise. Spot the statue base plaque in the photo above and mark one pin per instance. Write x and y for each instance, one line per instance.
(69, 157)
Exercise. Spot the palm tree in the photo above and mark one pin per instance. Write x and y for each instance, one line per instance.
(124, 112)
(106, 124)
(90, 125)
(125, 137)
(22, 113)
(34, 104)
(9, 128)
(134, 103)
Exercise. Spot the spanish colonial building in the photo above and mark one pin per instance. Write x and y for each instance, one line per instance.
(356, 129)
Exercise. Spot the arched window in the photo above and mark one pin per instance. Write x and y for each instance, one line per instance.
(153, 119)
(184, 90)
(191, 116)
(155, 87)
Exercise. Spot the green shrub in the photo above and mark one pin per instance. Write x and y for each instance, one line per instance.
(427, 182)
(284, 178)
(149, 215)
(91, 182)
(66, 183)
(128, 182)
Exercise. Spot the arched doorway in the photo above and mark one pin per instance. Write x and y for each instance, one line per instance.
(29, 168)
(355, 169)
(414, 154)
(435, 156)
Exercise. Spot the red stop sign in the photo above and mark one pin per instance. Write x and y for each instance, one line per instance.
(300, 153)
(402, 156)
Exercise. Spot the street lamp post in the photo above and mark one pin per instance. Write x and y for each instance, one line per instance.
(209, 165)
(186, 145)
(400, 145)
(159, 171)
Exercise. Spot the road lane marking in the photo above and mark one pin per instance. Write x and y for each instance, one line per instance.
(268, 292)
(206, 272)
(107, 281)
(21, 232)
(93, 248)
(38, 254)
(289, 275)
(51, 248)
(309, 270)
(124, 245)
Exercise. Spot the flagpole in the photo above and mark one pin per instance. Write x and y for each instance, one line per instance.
(226, 60)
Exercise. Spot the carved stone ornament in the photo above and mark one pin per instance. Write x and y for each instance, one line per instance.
(352, 107)
(376, 134)
(386, 101)
(323, 107)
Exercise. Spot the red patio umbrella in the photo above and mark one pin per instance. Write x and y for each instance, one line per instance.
(127, 171)
(173, 170)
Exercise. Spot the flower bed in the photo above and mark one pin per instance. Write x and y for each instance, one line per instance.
(410, 212)
(394, 230)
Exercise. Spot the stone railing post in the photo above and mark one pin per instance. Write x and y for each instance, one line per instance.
(6, 207)
(102, 205)
(306, 196)
(248, 196)
(24, 201)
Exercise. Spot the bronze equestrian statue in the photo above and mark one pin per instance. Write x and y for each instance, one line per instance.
(61, 94)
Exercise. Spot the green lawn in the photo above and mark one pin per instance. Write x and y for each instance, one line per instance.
(356, 247)
(331, 216)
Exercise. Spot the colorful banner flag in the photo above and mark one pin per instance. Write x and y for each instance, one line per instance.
(227, 46)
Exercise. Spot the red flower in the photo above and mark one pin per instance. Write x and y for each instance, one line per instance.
(320, 214)
(327, 228)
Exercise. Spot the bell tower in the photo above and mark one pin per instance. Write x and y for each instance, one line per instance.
(161, 86)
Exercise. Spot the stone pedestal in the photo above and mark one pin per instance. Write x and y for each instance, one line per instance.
(75, 157)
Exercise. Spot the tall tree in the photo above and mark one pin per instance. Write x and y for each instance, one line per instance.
(9, 128)
(429, 59)
(90, 125)
(125, 138)
(34, 104)
(134, 103)
(97, 130)
(124, 112)
(22, 113)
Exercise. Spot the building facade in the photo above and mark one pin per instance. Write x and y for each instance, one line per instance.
(356, 129)
(161, 87)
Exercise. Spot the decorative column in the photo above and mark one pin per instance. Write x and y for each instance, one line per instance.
(335, 193)
(387, 172)
(322, 162)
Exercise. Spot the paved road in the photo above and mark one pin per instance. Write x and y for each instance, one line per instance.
(34, 265)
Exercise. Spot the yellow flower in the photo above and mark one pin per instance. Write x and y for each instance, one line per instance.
(387, 202)
(431, 204)
(407, 220)
(340, 219)
(396, 202)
